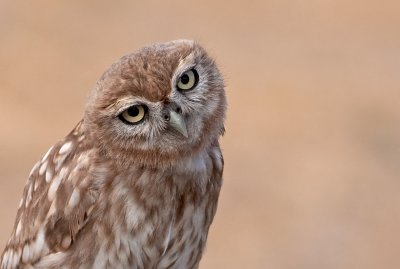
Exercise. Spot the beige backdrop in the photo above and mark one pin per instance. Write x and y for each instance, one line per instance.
(312, 145)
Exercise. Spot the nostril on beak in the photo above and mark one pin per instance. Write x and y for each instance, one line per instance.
(170, 108)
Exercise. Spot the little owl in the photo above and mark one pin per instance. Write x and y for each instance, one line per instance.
(136, 182)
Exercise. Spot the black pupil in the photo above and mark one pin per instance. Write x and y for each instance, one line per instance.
(185, 79)
(133, 111)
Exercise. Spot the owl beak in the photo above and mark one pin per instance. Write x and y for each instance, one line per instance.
(177, 122)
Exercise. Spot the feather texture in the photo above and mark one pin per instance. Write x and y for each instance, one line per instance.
(114, 195)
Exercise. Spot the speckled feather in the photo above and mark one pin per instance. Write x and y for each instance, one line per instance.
(111, 195)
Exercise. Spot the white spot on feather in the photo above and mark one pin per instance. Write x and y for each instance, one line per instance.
(83, 158)
(10, 259)
(134, 213)
(81, 138)
(13, 258)
(51, 260)
(53, 188)
(32, 251)
(167, 239)
(35, 185)
(17, 256)
(75, 198)
(49, 175)
(26, 254)
(47, 154)
(65, 148)
(66, 242)
(39, 246)
(6, 257)
(59, 160)
(52, 209)
(43, 168)
(34, 168)
(56, 183)
(18, 229)
(28, 196)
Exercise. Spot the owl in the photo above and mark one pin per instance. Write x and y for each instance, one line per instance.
(136, 183)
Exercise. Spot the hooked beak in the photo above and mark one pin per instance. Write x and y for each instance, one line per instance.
(177, 122)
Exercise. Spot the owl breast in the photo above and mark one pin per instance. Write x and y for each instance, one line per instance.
(153, 218)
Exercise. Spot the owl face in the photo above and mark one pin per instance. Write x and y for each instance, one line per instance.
(157, 105)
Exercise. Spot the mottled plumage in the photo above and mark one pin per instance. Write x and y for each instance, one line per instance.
(136, 183)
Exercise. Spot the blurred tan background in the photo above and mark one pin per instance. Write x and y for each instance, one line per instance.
(312, 146)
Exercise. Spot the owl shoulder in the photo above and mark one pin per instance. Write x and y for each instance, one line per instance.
(56, 203)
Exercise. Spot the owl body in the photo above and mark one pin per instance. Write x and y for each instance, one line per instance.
(136, 183)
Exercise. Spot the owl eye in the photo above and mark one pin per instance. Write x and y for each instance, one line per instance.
(133, 114)
(188, 80)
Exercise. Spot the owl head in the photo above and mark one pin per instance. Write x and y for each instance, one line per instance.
(156, 105)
